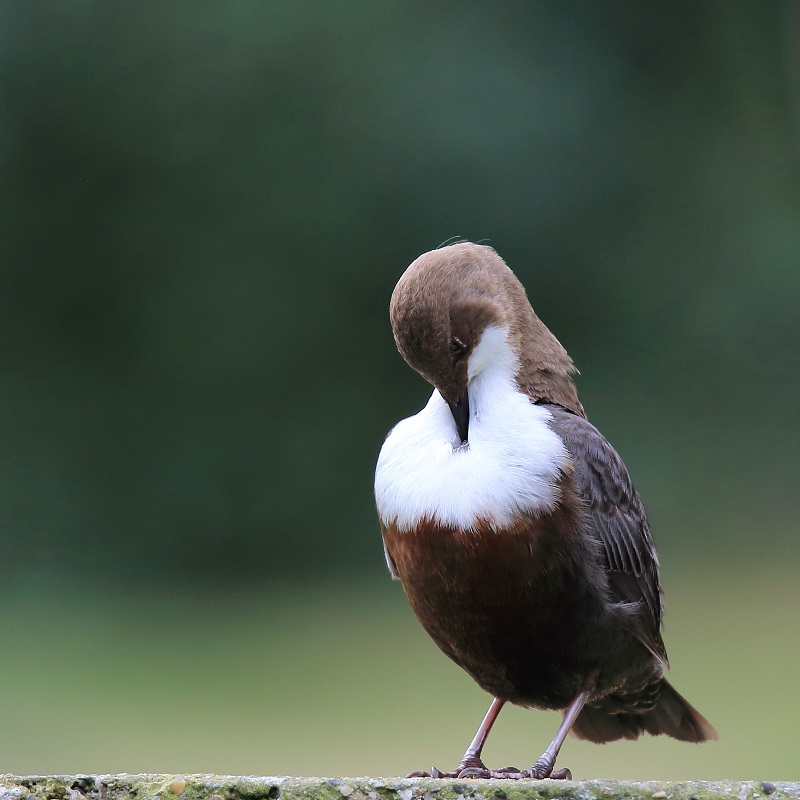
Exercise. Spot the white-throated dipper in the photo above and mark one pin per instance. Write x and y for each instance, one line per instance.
(512, 523)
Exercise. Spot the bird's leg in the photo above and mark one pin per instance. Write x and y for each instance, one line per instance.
(543, 768)
(471, 762)
(471, 765)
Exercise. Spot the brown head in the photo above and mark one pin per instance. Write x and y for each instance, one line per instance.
(440, 308)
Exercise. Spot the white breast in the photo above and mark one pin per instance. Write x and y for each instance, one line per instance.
(509, 467)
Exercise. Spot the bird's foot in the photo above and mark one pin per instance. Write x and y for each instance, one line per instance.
(434, 773)
(468, 768)
(477, 770)
(555, 774)
(514, 774)
(543, 768)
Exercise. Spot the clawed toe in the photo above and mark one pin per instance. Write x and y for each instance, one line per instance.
(434, 773)
(477, 771)
(539, 773)
(474, 772)
(437, 773)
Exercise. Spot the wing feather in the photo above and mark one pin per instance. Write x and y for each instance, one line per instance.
(617, 521)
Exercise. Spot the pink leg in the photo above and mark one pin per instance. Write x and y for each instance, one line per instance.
(472, 758)
(543, 768)
(471, 764)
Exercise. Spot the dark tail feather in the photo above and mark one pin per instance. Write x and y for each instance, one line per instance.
(671, 715)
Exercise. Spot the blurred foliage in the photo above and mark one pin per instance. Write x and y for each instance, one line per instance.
(204, 209)
(206, 206)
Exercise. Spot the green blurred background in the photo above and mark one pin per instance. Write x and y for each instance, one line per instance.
(205, 206)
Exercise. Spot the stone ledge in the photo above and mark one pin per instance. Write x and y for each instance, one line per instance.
(226, 787)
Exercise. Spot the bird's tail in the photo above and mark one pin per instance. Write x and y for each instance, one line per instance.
(615, 718)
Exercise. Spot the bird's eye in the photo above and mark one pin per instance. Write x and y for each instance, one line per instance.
(457, 348)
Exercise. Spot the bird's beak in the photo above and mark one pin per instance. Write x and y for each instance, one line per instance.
(460, 412)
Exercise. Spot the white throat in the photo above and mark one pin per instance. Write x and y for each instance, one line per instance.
(509, 467)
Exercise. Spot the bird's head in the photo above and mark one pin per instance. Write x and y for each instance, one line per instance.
(457, 310)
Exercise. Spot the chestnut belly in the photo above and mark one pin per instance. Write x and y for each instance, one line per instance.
(514, 608)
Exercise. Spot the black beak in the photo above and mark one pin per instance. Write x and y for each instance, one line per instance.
(460, 412)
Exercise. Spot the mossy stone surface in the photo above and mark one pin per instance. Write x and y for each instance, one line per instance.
(227, 787)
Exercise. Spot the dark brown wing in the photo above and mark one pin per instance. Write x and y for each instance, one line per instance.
(617, 520)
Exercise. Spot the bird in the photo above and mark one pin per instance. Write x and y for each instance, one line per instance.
(513, 525)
